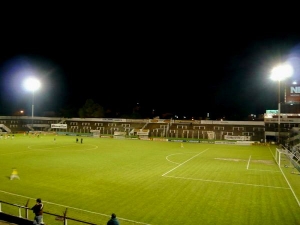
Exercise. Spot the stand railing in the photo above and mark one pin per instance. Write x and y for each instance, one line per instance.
(64, 218)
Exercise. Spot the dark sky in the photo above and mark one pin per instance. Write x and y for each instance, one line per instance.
(166, 66)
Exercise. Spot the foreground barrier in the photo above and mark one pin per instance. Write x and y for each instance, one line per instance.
(18, 219)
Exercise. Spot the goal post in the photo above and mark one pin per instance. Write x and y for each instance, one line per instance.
(285, 158)
(210, 135)
(278, 156)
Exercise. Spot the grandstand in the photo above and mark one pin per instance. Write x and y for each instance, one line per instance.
(152, 128)
(266, 131)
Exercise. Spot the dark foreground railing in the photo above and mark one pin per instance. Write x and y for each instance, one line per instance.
(18, 219)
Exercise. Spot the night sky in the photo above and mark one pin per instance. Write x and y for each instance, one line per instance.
(163, 67)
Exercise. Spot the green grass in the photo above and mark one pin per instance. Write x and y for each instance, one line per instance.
(148, 182)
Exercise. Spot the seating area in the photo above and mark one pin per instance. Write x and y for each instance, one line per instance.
(183, 129)
(200, 131)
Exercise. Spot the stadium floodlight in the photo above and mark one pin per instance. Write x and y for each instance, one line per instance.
(32, 84)
(280, 73)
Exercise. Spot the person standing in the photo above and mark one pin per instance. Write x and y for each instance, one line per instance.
(38, 212)
(14, 174)
(113, 220)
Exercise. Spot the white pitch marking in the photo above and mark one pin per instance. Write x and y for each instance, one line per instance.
(184, 162)
(49, 149)
(224, 182)
(167, 157)
(273, 171)
(248, 162)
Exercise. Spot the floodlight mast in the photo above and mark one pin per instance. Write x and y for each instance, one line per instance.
(32, 85)
(280, 73)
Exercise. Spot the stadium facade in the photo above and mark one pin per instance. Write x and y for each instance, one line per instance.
(276, 126)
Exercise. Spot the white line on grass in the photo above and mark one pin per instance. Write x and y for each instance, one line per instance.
(51, 203)
(248, 162)
(273, 171)
(184, 162)
(63, 146)
(248, 165)
(290, 187)
(286, 180)
(271, 152)
(49, 149)
(225, 182)
(167, 157)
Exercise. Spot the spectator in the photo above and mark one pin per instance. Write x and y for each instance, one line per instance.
(38, 212)
(113, 220)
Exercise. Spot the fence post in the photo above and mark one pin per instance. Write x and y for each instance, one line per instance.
(26, 209)
(20, 213)
(65, 215)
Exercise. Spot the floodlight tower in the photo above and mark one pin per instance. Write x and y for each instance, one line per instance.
(280, 73)
(32, 84)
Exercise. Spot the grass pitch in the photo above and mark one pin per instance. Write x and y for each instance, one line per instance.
(148, 182)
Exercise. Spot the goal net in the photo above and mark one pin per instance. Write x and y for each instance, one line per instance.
(96, 133)
(281, 157)
(286, 158)
(210, 135)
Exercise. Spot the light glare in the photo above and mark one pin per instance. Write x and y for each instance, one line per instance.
(32, 84)
(281, 72)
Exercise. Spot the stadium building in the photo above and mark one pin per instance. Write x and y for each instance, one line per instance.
(277, 126)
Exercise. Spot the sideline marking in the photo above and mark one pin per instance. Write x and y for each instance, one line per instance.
(286, 179)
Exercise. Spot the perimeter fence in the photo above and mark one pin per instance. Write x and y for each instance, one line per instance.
(23, 218)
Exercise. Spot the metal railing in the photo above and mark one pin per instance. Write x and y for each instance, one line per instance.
(64, 218)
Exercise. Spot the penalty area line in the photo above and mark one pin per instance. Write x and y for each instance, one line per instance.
(227, 182)
(184, 162)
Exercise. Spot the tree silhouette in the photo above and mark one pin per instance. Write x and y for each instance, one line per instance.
(91, 110)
